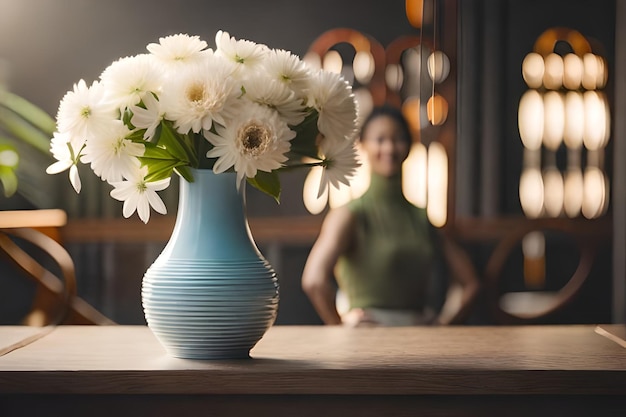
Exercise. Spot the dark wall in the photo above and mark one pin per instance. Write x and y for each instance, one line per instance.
(49, 45)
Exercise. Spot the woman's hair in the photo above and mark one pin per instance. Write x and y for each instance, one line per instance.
(392, 112)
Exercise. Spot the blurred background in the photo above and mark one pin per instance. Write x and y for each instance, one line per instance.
(542, 221)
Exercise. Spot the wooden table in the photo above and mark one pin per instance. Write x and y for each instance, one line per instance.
(322, 371)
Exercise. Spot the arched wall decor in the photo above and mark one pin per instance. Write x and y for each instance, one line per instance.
(405, 74)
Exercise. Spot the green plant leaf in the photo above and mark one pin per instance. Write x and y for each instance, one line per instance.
(8, 180)
(26, 132)
(306, 136)
(28, 111)
(160, 163)
(185, 172)
(170, 139)
(267, 182)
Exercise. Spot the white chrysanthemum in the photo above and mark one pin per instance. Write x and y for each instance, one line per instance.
(84, 113)
(332, 96)
(139, 195)
(340, 162)
(276, 95)
(61, 149)
(246, 54)
(289, 69)
(147, 118)
(129, 79)
(113, 157)
(256, 139)
(200, 95)
(178, 49)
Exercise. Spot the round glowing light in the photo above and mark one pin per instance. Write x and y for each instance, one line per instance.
(574, 120)
(437, 110)
(534, 245)
(595, 132)
(412, 111)
(573, 192)
(436, 209)
(531, 192)
(415, 174)
(572, 71)
(365, 103)
(602, 75)
(531, 119)
(438, 66)
(339, 196)
(313, 202)
(554, 120)
(553, 192)
(532, 70)
(553, 74)
(363, 66)
(360, 182)
(590, 71)
(414, 12)
(332, 62)
(607, 121)
(313, 60)
(394, 77)
(594, 193)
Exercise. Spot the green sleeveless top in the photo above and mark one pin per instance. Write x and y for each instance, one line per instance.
(391, 256)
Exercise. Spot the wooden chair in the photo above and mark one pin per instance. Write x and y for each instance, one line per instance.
(56, 300)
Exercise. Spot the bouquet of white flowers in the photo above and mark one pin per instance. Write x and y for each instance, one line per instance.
(242, 107)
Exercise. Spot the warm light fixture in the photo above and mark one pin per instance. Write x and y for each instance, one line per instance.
(563, 106)
(437, 192)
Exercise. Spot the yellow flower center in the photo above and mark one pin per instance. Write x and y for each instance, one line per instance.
(206, 97)
(253, 138)
(195, 93)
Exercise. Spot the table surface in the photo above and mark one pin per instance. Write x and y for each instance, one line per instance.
(494, 360)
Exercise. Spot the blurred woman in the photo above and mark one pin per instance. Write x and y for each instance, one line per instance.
(381, 248)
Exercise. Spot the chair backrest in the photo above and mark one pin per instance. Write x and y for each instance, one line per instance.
(56, 300)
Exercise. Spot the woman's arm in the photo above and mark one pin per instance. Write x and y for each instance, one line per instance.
(463, 273)
(317, 278)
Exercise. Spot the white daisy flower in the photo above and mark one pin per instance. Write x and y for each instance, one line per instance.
(84, 113)
(147, 118)
(200, 95)
(61, 149)
(256, 139)
(139, 195)
(340, 162)
(289, 69)
(128, 79)
(178, 49)
(113, 157)
(246, 54)
(332, 97)
(276, 95)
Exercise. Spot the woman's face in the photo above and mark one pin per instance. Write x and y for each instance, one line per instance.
(385, 145)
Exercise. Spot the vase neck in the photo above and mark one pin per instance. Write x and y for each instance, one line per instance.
(211, 219)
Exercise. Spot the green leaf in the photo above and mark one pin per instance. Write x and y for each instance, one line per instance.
(184, 172)
(137, 135)
(170, 139)
(160, 163)
(306, 136)
(28, 111)
(154, 152)
(21, 129)
(267, 182)
(8, 180)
